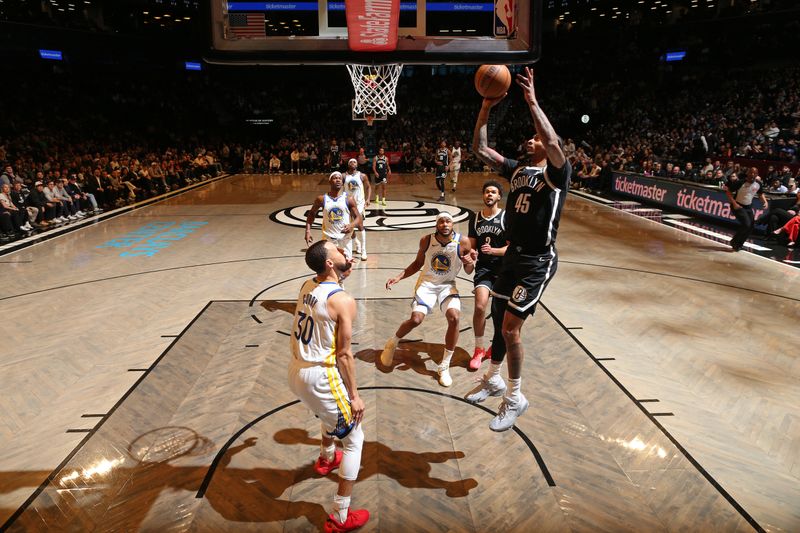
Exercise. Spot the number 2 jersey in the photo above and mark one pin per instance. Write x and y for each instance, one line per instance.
(534, 204)
(491, 231)
(313, 337)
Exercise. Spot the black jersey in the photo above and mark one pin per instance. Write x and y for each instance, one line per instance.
(382, 165)
(535, 199)
(488, 230)
(442, 157)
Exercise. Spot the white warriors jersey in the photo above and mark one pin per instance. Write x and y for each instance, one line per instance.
(335, 216)
(313, 337)
(456, 156)
(355, 188)
(442, 261)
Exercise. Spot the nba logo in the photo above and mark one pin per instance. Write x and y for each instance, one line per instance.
(519, 293)
(505, 18)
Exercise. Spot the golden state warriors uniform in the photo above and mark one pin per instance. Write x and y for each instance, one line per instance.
(335, 216)
(355, 189)
(313, 375)
(437, 281)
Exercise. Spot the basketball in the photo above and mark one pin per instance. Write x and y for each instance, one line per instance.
(492, 81)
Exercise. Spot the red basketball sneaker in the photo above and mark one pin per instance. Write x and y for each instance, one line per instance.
(325, 467)
(477, 357)
(355, 519)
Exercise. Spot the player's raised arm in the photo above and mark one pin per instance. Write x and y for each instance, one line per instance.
(415, 265)
(480, 137)
(312, 214)
(542, 124)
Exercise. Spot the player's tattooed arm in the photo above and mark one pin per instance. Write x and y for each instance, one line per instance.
(480, 137)
(415, 266)
(540, 121)
(312, 214)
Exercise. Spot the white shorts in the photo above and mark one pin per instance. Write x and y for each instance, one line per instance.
(322, 390)
(429, 295)
(345, 244)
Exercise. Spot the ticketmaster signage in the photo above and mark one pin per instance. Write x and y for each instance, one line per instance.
(710, 203)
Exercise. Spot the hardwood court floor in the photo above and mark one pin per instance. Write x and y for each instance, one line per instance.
(637, 312)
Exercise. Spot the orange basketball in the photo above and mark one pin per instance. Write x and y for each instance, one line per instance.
(492, 81)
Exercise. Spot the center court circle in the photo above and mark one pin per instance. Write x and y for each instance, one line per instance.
(396, 215)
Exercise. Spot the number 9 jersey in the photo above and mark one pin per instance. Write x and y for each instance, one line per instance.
(313, 336)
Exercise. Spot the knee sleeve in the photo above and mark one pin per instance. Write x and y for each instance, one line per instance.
(498, 342)
(351, 460)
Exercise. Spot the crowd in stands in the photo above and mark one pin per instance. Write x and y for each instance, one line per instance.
(97, 140)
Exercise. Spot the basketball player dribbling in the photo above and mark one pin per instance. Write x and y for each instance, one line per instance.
(440, 257)
(357, 185)
(537, 191)
(322, 374)
(382, 171)
(339, 216)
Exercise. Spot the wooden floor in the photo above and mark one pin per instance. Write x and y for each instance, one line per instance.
(149, 392)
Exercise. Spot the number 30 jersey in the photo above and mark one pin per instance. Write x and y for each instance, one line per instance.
(536, 197)
(313, 336)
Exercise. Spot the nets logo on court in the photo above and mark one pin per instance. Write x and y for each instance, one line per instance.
(397, 215)
(335, 215)
(440, 264)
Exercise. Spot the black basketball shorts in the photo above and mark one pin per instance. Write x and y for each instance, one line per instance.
(523, 279)
(485, 276)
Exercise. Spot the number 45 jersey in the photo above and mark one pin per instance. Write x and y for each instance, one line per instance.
(536, 197)
(313, 337)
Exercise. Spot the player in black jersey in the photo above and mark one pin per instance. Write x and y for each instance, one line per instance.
(487, 235)
(442, 162)
(382, 170)
(537, 189)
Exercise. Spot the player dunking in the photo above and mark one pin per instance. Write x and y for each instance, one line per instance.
(442, 162)
(322, 374)
(357, 185)
(535, 199)
(339, 216)
(439, 257)
(487, 236)
(382, 171)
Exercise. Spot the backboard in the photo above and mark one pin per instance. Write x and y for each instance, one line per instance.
(430, 32)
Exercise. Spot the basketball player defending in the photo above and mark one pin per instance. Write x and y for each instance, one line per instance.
(382, 171)
(442, 162)
(455, 165)
(322, 374)
(487, 237)
(440, 256)
(537, 190)
(339, 216)
(357, 185)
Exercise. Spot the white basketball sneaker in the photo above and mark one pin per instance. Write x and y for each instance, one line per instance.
(510, 409)
(493, 386)
(387, 355)
(444, 376)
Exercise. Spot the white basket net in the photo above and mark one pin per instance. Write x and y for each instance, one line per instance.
(375, 87)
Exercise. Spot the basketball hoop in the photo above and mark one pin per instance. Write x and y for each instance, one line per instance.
(375, 87)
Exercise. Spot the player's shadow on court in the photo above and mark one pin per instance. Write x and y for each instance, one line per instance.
(409, 469)
(412, 355)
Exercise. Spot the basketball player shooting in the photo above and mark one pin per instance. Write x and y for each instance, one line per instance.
(537, 190)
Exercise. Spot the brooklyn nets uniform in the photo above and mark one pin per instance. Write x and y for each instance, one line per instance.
(491, 231)
(442, 162)
(382, 166)
(335, 216)
(313, 375)
(437, 281)
(533, 209)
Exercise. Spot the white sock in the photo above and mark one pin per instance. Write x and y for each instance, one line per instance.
(328, 452)
(513, 388)
(340, 506)
(363, 241)
(446, 359)
(494, 369)
(479, 342)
